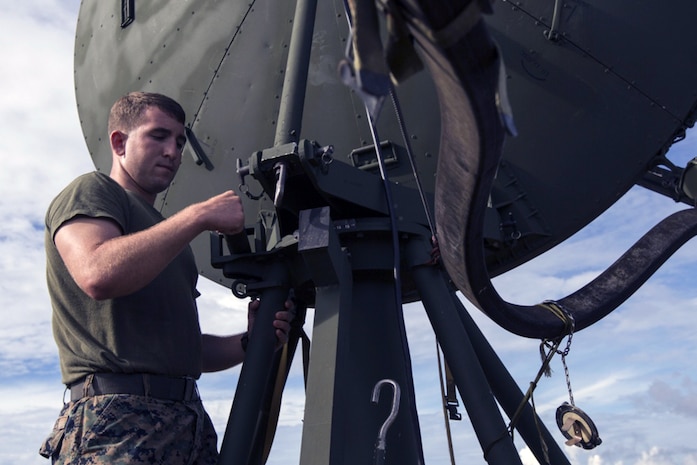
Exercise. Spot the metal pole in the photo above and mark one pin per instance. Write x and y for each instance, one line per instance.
(474, 388)
(290, 113)
(509, 395)
(242, 430)
(243, 422)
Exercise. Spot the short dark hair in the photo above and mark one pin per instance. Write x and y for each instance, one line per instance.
(127, 111)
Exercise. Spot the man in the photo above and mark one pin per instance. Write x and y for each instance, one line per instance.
(122, 281)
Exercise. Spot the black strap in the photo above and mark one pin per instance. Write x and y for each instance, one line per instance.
(139, 384)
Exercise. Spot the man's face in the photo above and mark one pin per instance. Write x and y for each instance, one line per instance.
(152, 152)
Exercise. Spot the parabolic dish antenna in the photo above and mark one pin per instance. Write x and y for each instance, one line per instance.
(598, 95)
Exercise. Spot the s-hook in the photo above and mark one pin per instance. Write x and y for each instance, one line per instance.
(381, 445)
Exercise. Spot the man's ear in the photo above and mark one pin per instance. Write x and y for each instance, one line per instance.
(117, 139)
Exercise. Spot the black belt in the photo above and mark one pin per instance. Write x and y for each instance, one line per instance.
(139, 384)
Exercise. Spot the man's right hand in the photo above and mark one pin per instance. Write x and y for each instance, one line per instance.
(223, 213)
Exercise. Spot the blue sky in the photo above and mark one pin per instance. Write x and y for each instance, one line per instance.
(633, 372)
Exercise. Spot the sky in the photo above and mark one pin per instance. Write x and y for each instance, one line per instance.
(632, 373)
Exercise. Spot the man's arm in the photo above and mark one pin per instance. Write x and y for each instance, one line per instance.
(223, 352)
(106, 264)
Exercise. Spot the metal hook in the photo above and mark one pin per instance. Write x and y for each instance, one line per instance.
(393, 411)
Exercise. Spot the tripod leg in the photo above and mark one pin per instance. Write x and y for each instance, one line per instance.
(463, 361)
(509, 395)
(432, 283)
(243, 423)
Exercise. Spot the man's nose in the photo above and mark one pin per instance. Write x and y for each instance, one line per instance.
(172, 149)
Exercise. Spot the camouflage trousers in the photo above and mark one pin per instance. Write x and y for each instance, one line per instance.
(122, 429)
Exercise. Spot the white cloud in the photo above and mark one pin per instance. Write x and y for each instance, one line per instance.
(674, 395)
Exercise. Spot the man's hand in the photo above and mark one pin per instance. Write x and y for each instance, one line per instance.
(222, 213)
(281, 321)
(223, 352)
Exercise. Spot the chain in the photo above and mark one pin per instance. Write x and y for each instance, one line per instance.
(563, 354)
(566, 373)
(569, 322)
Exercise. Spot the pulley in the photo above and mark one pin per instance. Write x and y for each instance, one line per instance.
(577, 427)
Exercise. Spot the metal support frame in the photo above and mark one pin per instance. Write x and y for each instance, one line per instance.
(462, 359)
(357, 343)
(480, 375)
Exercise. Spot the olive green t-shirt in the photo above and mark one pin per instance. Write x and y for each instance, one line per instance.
(154, 330)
